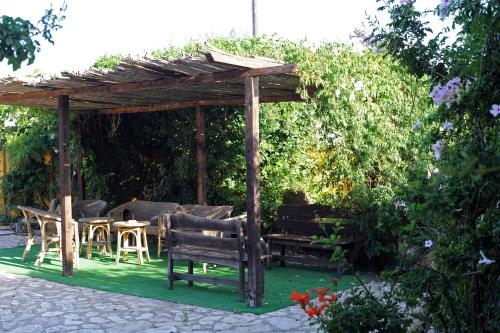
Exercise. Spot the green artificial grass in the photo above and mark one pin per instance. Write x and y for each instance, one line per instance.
(150, 280)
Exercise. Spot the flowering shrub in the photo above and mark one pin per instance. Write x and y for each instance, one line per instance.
(448, 271)
(315, 309)
(360, 311)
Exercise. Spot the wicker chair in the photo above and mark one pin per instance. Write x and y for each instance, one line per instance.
(88, 208)
(144, 211)
(49, 233)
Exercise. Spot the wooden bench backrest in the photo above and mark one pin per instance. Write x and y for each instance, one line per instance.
(211, 212)
(312, 219)
(185, 230)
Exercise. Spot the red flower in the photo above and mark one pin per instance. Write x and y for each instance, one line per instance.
(322, 291)
(322, 308)
(333, 297)
(312, 311)
(303, 299)
(322, 298)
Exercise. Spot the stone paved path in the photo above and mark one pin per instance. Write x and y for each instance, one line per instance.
(32, 305)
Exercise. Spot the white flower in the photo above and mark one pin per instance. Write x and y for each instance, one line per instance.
(405, 2)
(9, 123)
(351, 97)
(337, 92)
(428, 243)
(484, 260)
(495, 110)
(437, 148)
(359, 85)
(56, 151)
(399, 203)
(447, 126)
(418, 124)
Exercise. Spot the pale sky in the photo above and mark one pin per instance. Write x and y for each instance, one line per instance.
(96, 27)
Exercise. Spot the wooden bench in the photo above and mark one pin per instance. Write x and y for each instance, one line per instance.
(297, 224)
(186, 241)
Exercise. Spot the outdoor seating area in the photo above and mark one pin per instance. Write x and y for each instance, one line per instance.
(207, 237)
(160, 176)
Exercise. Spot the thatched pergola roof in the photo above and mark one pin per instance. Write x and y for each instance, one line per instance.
(142, 85)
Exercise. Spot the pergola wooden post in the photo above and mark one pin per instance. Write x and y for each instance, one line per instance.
(65, 184)
(201, 157)
(255, 275)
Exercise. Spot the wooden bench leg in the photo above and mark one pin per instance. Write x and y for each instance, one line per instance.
(159, 246)
(282, 253)
(118, 246)
(170, 282)
(269, 258)
(242, 281)
(190, 271)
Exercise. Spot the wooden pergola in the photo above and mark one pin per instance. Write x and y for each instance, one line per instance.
(138, 85)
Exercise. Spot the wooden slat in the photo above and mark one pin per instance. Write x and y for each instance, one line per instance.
(222, 57)
(185, 105)
(311, 211)
(205, 279)
(190, 222)
(132, 86)
(190, 238)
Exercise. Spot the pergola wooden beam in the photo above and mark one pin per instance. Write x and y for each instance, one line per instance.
(216, 77)
(193, 104)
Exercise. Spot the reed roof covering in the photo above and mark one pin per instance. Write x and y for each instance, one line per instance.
(142, 85)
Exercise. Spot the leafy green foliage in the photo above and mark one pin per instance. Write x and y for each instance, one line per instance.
(18, 37)
(31, 137)
(452, 203)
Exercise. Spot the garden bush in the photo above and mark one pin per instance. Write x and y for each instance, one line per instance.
(448, 212)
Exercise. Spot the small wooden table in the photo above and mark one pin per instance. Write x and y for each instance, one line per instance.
(136, 229)
(99, 226)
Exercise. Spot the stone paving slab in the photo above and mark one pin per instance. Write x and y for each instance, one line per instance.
(33, 305)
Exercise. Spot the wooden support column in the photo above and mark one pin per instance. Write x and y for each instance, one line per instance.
(65, 183)
(79, 177)
(201, 157)
(256, 277)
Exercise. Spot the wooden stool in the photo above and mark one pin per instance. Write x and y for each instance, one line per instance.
(99, 226)
(138, 232)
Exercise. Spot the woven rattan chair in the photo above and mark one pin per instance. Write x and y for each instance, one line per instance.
(88, 208)
(49, 233)
(141, 210)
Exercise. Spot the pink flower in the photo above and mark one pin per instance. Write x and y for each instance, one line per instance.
(437, 148)
(448, 93)
(447, 126)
